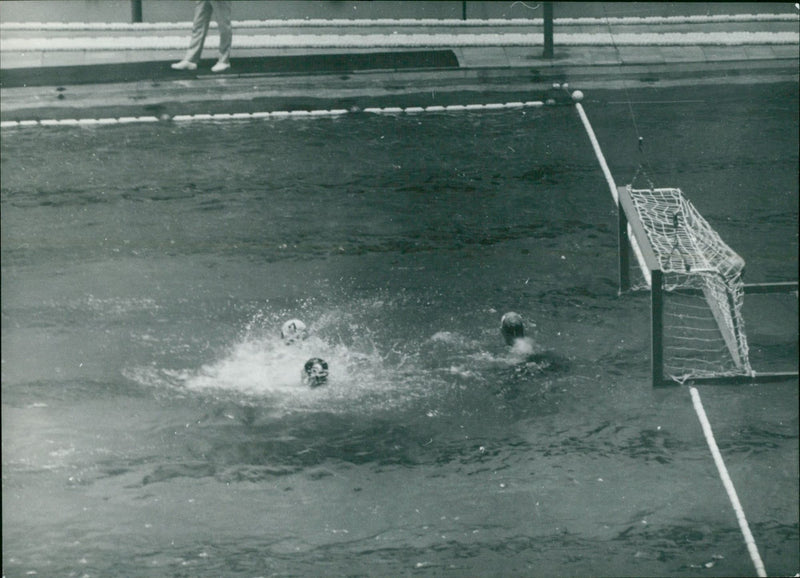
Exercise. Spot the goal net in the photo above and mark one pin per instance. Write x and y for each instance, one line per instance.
(701, 284)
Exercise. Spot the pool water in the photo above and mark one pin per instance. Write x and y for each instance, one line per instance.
(154, 422)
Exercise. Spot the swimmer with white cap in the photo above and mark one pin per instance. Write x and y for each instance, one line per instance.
(293, 330)
(513, 330)
(511, 327)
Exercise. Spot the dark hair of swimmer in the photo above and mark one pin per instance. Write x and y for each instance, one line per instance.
(511, 327)
(315, 372)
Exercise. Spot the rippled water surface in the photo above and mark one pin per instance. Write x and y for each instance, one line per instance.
(154, 422)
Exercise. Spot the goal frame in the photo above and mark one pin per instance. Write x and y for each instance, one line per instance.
(632, 239)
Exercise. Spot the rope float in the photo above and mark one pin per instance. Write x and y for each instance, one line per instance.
(726, 481)
(220, 117)
(402, 22)
(400, 40)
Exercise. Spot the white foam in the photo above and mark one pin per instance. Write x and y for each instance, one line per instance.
(255, 367)
(522, 347)
(260, 368)
(267, 369)
(447, 337)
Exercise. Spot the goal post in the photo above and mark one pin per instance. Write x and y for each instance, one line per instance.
(696, 289)
(632, 233)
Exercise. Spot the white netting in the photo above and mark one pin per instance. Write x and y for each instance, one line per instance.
(703, 288)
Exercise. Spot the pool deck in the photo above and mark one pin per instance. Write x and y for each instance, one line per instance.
(62, 70)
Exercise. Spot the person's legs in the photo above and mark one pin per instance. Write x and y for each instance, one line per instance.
(222, 12)
(202, 17)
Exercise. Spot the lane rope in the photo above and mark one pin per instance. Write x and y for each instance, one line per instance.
(726, 481)
(404, 22)
(219, 117)
(612, 186)
(397, 40)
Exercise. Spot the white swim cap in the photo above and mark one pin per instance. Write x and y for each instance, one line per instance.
(293, 330)
(511, 327)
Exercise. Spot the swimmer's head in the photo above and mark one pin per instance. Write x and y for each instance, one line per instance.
(293, 330)
(511, 327)
(315, 372)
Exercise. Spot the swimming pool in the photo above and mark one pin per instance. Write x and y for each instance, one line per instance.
(153, 422)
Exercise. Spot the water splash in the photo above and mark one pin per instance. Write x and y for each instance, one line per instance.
(259, 368)
(444, 373)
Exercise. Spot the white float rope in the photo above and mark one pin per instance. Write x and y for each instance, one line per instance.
(612, 189)
(267, 115)
(726, 481)
(406, 22)
(395, 40)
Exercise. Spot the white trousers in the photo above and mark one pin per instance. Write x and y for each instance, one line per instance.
(202, 18)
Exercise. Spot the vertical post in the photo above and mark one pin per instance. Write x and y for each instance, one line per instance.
(136, 11)
(548, 30)
(657, 326)
(464, 10)
(624, 250)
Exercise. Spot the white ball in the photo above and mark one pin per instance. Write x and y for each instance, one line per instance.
(577, 96)
(293, 330)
